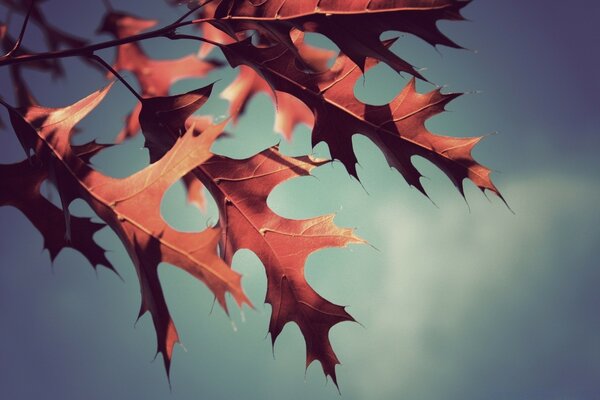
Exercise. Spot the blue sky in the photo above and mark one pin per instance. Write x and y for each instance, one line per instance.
(456, 301)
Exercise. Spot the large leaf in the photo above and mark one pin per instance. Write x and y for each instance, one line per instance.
(398, 128)
(241, 188)
(354, 26)
(131, 207)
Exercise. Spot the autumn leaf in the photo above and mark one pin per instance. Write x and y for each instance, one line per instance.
(354, 26)
(265, 39)
(20, 188)
(131, 207)
(241, 189)
(155, 77)
(290, 111)
(398, 128)
(163, 118)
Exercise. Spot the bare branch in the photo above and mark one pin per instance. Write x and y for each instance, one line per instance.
(22, 33)
(166, 31)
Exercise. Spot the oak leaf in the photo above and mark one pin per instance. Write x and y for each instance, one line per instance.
(241, 189)
(290, 111)
(354, 26)
(20, 187)
(398, 128)
(131, 207)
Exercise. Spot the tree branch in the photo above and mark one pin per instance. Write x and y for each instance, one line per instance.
(167, 31)
(21, 34)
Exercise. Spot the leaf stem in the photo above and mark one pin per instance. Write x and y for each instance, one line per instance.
(21, 34)
(176, 36)
(117, 75)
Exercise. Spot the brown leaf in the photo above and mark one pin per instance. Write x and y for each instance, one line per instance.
(290, 111)
(164, 118)
(131, 207)
(241, 188)
(354, 26)
(398, 128)
(20, 188)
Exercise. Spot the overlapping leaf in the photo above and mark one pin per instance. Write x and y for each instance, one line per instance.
(304, 89)
(354, 26)
(398, 128)
(241, 188)
(155, 77)
(290, 110)
(131, 207)
(20, 188)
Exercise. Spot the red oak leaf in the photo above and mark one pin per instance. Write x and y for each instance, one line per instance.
(398, 128)
(131, 207)
(165, 118)
(20, 188)
(241, 188)
(354, 26)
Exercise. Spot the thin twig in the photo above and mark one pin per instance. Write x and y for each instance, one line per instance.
(166, 31)
(117, 75)
(176, 36)
(190, 12)
(21, 34)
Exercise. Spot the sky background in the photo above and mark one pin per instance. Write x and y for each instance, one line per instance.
(457, 301)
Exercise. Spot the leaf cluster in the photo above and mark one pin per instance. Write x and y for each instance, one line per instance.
(265, 39)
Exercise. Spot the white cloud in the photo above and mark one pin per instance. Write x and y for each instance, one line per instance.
(483, 304)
